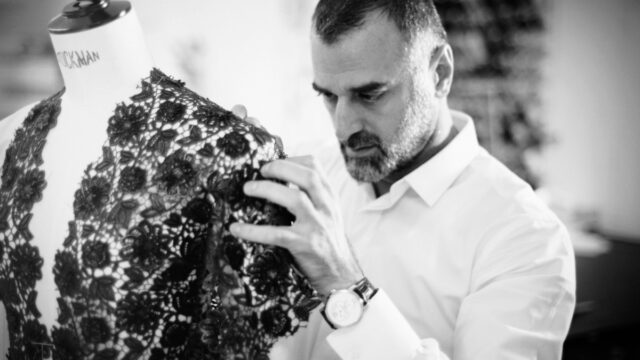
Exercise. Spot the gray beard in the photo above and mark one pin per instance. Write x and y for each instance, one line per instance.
(371, 168)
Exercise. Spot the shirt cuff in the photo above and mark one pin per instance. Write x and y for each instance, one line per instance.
(381, 333)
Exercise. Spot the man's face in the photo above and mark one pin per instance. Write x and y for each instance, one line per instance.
(379, 95)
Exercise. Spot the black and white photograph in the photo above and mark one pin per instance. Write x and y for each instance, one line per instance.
(319, 180)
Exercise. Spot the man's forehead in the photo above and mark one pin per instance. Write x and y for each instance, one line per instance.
(371, 53)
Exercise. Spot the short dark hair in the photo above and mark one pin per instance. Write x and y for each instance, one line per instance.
(334, 18)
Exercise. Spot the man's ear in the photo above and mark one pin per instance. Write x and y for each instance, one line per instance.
(443, 74)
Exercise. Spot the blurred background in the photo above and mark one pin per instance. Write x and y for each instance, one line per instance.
(554, 88)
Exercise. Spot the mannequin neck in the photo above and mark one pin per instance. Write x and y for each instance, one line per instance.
(102, 64)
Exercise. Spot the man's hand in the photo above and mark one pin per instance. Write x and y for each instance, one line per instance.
(241, 112)
(316, 238)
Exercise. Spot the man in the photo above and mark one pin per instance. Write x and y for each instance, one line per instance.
(415, 232)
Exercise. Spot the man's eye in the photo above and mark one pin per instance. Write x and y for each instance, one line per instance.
(370, 96)
(327, 96)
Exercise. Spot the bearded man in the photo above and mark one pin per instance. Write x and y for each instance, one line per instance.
(422, 245)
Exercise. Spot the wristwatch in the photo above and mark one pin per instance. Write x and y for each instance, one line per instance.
(344, 307)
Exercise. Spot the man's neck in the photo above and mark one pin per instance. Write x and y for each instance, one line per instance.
(438, 141)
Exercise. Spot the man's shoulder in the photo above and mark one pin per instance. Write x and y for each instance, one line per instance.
(499, 193)
(510, 223)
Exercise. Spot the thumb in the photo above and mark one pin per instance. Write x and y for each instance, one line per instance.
(239, 111)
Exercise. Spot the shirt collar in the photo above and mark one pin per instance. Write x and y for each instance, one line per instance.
(431, 179)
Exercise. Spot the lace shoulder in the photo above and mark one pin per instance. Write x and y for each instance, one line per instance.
(150, 267)
(10, 123)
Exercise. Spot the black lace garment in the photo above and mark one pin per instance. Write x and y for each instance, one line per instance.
(148, 269)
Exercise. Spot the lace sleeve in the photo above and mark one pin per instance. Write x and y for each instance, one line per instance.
(149, 269)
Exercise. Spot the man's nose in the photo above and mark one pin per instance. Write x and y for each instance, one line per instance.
(347, 119)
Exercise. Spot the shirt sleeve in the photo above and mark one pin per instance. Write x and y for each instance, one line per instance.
(520, 305)
(383, 333)
(522, 293)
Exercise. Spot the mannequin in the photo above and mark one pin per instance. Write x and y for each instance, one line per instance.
(99, 66)
(91, 90)
(147, 267)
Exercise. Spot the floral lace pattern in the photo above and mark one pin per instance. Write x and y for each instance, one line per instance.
(20, 261)
(149, 269)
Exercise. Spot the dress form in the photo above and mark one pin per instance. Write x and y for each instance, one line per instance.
(116, 59)
(143, 177)
(100, 65)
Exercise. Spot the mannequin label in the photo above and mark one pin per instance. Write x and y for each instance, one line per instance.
(77, 59)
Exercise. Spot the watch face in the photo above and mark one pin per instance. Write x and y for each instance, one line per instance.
(344, 308)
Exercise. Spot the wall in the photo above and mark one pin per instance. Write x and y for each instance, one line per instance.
(28, 70)
(592, 101)
(250, 52)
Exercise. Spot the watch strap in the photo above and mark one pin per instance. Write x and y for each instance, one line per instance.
(365, 289)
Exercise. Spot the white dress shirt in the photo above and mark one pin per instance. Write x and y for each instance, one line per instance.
(470, 263)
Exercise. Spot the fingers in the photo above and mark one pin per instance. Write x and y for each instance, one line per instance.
(307, 161)
(253, 121)
(294, 200)
(308, 179)
(310, 162)
(264, 234)
(241, 112)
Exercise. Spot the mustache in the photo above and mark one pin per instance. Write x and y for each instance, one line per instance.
(362, 139)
